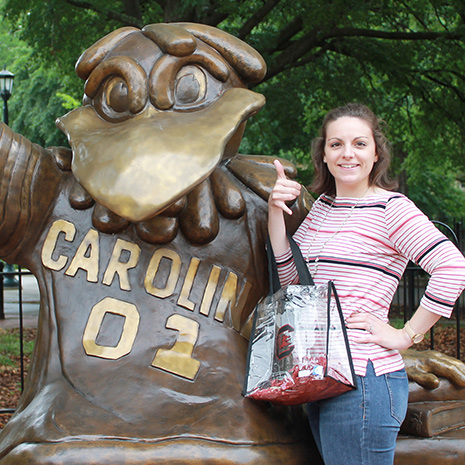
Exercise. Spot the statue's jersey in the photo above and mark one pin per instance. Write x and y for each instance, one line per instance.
(139, 346)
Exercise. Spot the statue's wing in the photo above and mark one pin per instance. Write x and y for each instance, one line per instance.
(28, 184)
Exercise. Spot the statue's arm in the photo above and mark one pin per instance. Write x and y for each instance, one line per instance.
(29, 178)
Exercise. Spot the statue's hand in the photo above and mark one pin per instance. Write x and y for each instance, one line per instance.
(425, 368)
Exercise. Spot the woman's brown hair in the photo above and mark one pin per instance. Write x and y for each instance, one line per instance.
(323, 181)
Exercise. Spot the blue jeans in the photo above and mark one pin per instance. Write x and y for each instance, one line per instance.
(360, 427)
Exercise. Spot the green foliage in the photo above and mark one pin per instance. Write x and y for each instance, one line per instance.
(403, 59)
(69, 102)
(36, 105)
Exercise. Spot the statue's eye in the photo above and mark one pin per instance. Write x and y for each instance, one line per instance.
(190, 87)
(112, 100)
(117, 95)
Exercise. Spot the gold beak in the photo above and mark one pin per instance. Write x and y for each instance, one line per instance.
(136, 168)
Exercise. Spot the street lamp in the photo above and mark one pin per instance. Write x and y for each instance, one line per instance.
(6, 87)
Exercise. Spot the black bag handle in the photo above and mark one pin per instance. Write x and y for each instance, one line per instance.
(332, 292)
(302, 270)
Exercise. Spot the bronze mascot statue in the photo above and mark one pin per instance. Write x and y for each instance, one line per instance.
(147, 243)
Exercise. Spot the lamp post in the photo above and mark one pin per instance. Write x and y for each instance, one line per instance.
(6, 87)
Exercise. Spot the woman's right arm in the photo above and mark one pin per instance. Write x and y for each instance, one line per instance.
(283, 191)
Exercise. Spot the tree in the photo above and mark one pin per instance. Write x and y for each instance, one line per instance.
(405, 59)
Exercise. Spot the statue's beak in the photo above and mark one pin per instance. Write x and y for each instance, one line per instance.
(136, 168)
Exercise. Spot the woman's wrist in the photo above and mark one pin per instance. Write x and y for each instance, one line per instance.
(406, 339)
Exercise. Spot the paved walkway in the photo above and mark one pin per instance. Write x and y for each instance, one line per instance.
(30, 304)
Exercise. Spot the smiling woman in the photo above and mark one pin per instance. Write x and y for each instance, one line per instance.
(361, 235)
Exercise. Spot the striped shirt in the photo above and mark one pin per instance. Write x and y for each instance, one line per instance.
(364, 246)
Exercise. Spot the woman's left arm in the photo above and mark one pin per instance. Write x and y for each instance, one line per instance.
(415, 237)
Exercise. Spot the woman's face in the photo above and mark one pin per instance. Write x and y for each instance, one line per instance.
(350, 153)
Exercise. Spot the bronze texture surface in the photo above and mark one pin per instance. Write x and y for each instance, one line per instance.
(147, 239)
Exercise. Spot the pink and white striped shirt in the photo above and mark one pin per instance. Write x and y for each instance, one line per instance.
(367, 257)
